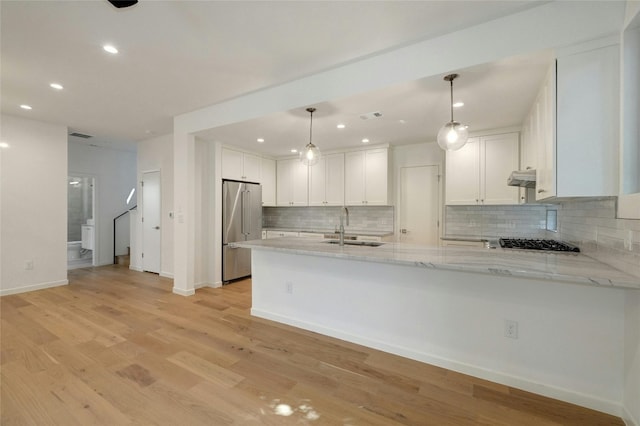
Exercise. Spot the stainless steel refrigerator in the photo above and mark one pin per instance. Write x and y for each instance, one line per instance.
(241, 221)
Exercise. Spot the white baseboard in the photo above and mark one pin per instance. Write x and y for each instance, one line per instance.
(182, 292)
(166, 274)
(33, 287)
(567, 395)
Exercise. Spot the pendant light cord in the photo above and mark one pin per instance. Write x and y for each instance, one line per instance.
(311, 128)
(451, 81)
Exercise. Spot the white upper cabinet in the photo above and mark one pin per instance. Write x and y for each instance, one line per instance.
(366, 177)
(239, 165)
(500, 156)
(292, 183)
(268, 181)
(578, 123)
(588, 122)
(477, 173)
(326, 181)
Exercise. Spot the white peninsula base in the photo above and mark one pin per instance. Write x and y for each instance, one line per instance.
(570, 339)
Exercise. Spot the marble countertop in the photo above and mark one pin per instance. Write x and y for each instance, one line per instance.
(562, 267)
(348, 232)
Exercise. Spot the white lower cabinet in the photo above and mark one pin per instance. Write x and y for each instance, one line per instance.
(477, 173)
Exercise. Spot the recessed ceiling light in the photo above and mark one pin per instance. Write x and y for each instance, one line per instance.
(4, 145)
(56, 86)
(294, 150)
(25, 106)
(341, 126)
(260, 140)
(365, 140)
(109, 48)
(458, 104)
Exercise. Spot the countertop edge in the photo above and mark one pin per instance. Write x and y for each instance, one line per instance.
(491, 268)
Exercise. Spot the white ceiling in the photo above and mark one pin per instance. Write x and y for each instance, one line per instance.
(179, 56)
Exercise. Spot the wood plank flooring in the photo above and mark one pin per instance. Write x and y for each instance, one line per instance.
(116, 347)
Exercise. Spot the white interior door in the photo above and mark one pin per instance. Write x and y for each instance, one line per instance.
(419, 205)
(151, 222)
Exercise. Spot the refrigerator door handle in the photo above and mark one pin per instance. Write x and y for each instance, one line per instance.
(242, 210)
(247, 212)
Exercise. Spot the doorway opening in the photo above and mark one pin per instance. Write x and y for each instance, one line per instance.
(81, 235)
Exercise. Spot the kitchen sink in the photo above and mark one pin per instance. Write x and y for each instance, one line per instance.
(357, 243)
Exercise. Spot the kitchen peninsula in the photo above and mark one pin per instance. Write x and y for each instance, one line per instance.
(453, 307)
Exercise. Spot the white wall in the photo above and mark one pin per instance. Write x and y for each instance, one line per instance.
(632, 358)
(33, 205)
(115, 173)
(157, 154)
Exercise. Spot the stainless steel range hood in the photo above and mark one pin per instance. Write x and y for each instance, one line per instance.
(522, 178)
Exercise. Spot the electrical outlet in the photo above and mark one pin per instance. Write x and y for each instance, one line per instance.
(289, 287)
(28, 265)
(511, 329)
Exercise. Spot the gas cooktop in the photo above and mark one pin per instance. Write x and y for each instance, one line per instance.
(531, 244)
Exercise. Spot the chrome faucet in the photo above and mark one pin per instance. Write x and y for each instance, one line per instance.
(344, 210)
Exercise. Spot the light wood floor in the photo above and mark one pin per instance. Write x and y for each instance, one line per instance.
(116, 347)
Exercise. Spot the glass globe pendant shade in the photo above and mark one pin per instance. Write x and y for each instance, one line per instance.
(452, 136)
(310, 154)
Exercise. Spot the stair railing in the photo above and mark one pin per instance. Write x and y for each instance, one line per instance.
(115, 222)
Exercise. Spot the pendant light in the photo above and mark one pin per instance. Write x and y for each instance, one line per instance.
(310, 154)
(452, 135)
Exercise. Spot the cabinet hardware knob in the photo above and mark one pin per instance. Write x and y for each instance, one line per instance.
(540, 191)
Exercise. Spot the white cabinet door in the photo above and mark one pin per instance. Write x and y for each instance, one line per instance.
(317, 183)
(365, 179)
(251, 166)
(354, 176)
(588, 114)
(326, 181)
(499, 157)
(545, 137)
(232, 164)
(283, 183)
(334, 179)
(238, 165)
(375, 178)
(462, 185)
(300, 184)
(268, 181)
(477, 173)
(292, 183)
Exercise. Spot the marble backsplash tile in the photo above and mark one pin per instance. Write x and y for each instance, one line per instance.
(592, 225)
(589, 223)
(378, 218)
(518, 221)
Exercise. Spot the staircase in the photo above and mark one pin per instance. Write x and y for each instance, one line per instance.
(124, 259)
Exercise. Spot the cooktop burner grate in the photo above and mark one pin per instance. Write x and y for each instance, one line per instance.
(530, 244)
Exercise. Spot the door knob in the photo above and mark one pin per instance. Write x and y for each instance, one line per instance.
(403, 231)
(156, 227)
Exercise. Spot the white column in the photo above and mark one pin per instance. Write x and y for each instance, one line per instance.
(184, 205)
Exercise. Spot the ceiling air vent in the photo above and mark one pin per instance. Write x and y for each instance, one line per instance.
(370, 115)
(80, 135)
